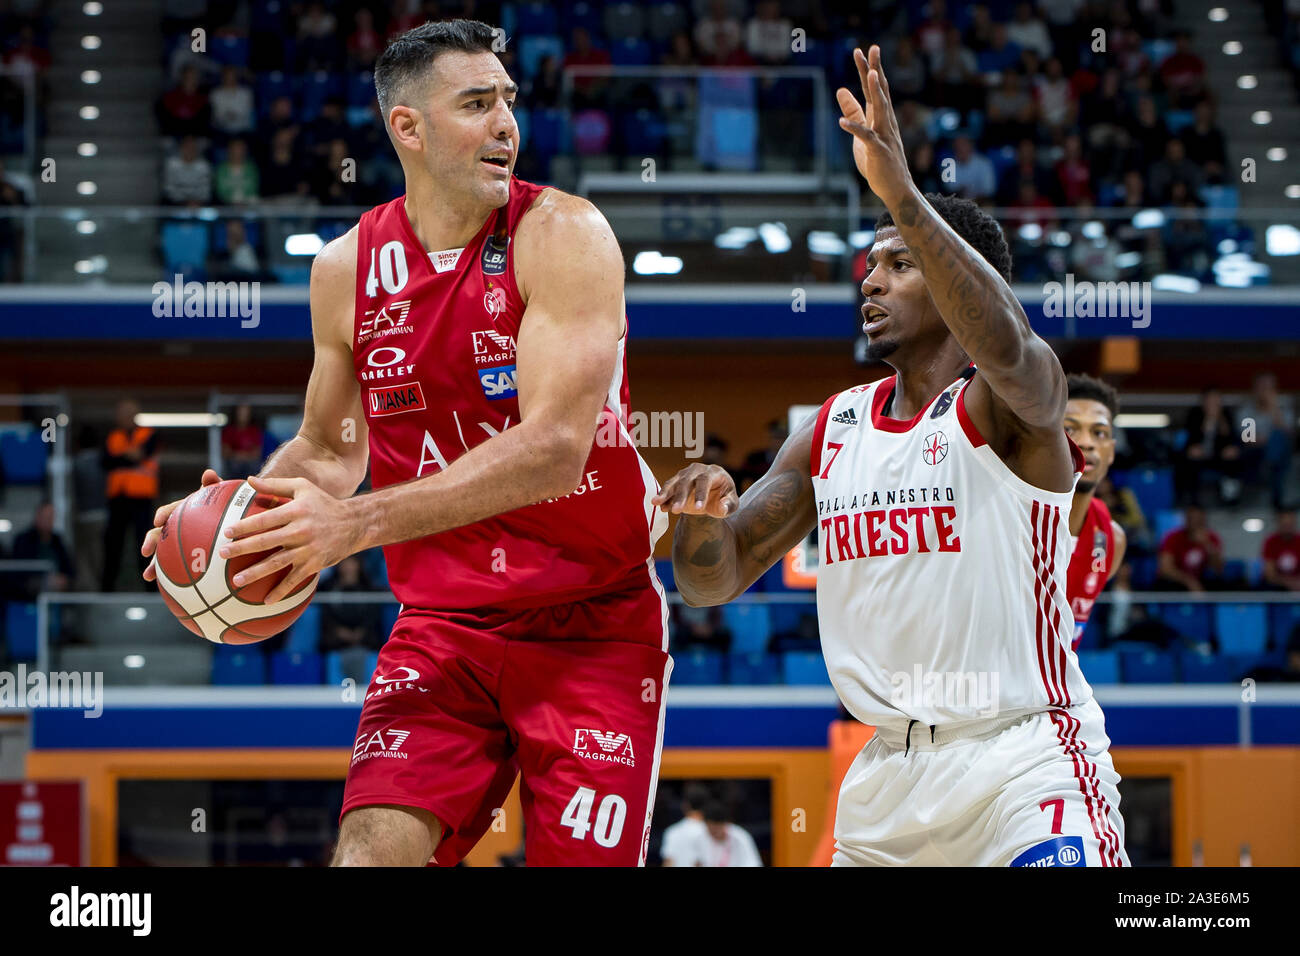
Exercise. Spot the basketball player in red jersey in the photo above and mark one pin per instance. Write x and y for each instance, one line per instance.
(469, 340)
(1099, 542)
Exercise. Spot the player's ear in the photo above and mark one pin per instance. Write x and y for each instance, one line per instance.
(404, 127)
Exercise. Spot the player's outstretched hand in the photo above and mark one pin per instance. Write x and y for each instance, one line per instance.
(150, 544)
(877, 142)
(699, 490)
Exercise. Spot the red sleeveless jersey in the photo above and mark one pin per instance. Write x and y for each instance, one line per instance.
(434, 353)
(1090, 564)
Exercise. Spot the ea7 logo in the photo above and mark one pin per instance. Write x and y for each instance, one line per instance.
(498, 382)
(381, 743)
(388, 320)
(606, 747)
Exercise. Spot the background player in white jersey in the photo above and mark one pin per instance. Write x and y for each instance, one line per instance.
(942, 495)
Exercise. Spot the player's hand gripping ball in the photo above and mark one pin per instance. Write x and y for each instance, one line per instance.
(197, 583)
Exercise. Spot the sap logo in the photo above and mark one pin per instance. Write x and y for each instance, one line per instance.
(498, 383)
(1063, 851)
(607, 747)
(395, 399)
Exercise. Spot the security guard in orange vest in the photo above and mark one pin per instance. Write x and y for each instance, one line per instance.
(131, 466)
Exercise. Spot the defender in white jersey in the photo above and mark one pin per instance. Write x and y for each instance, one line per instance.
(941, 496)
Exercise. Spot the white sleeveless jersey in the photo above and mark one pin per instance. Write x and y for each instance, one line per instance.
(941, 583)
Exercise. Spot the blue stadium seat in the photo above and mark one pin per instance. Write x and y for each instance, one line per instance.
(270, 86)
(665, 19)
(314, 89)
(1165, 521)
(185, 248)
(664, 568)
(1144, 572)
(20, 630)
(624, 21)
(1283, 620)
(334, 669)
(755, 668)
(1147, 667)
(295, 668)
(535, 48)
(630, 51)
(360, 88)
(388, 617)
(1178, 120)
(304, 633)
(229, 50)
(750, 626)
(787, 618)
(643, 133)
(238, 666)
(1205, 668)
(804, 667)
(1221, 199)
(1100, 667)
(1242, 628)
(549, 132)
(697, 665)
(536, 17)
(585, 15)
(24, 455)
(1192, 621)
(266, 17)
(1153, 488)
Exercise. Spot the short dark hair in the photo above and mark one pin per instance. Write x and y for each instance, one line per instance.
(1086, 387)
(696, 795)
(970, 222)
(715, 811)
(409, 56)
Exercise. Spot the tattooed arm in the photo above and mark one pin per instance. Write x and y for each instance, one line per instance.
(722, 544)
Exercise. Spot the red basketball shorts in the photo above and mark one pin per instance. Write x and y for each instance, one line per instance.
(570, 697)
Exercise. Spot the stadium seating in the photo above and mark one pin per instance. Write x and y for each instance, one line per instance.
(304, 633)
(750, 626)
(238, 665)
(24, 454)
(1241, 628)
(1100, 667)
(1147, 667)
(805, 667)
(21, 635)
(1192, 621)
(1197, 668)
(1283, 620)
(697, 665)
(754, 668)
(296, 668)
(1153, 488)
(185, 249)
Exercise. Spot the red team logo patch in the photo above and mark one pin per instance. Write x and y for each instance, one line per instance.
(936, 447)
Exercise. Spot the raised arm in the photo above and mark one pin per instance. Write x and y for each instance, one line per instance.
(723, 545)
(974, 300)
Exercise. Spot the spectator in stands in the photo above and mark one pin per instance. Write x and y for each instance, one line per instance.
(187, 177)
(725, 53)
(184, 109)
(331, 180)
(588, 91)
(972, 172)
(1028, 32)
(364, 43)
(238, 263)
(725, 843)
(979, 32)
(27, 57)
(1174, 168)
(933, 31)
(1147, 135)
(279, 116)
(1187, 240)
(130, 460)
(1026, 170)
(1190, 557)
(1213, 450)
(955, 72)
(924, 172)
(11, 232)
(317, 40)
(241, 442)
(759, 461)
(717, 33)
(1266, 423)
(543, 90)
(92, 509)
(232, 106)
(1073, 175)
(1056, 103)
(768, 35)
(1134, 193)
(700, 627)
(354, 630)
(1101, 112)
(1205, 144)
(1127, 513)
(322, 132)
(1064, 28)
(678, 846)
(282, 175)
(1002, 54)
(1012, 113)
(41, 542)
(1030, 207)
(912, 129)
(1281, 554)
(236, 179)
(908, 77)
(1183, 73)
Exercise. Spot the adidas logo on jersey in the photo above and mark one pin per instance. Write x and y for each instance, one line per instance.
(848, 417)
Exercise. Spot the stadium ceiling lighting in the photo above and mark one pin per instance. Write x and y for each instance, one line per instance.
(1227, 247)
(1030, 232)
(1261, 117)
(1292, 191)
(1282, 239)
(1141, 420)
(862, 238)
(824, 243)
(5, 525)
(87, 149)
(92, 9)
(1237, 270)
(86, 188)
(136, 614)
(1093, 229)
(303, 244)
(90, 42)
(1253, 525)
(1276, 153)
(84, 267)
(651, 262)
(775, 239)
(89, 112)
(180, 419)
(1218, 14)
(90, 77)
(1247, 81)
(86, 227)
(1060, 237)
(1148, 219)
(1128, 260)
(1169, 282)
(1232, 47)
(737, 237)
(133, 661)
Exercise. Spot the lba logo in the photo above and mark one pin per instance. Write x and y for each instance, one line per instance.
(606, 747)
